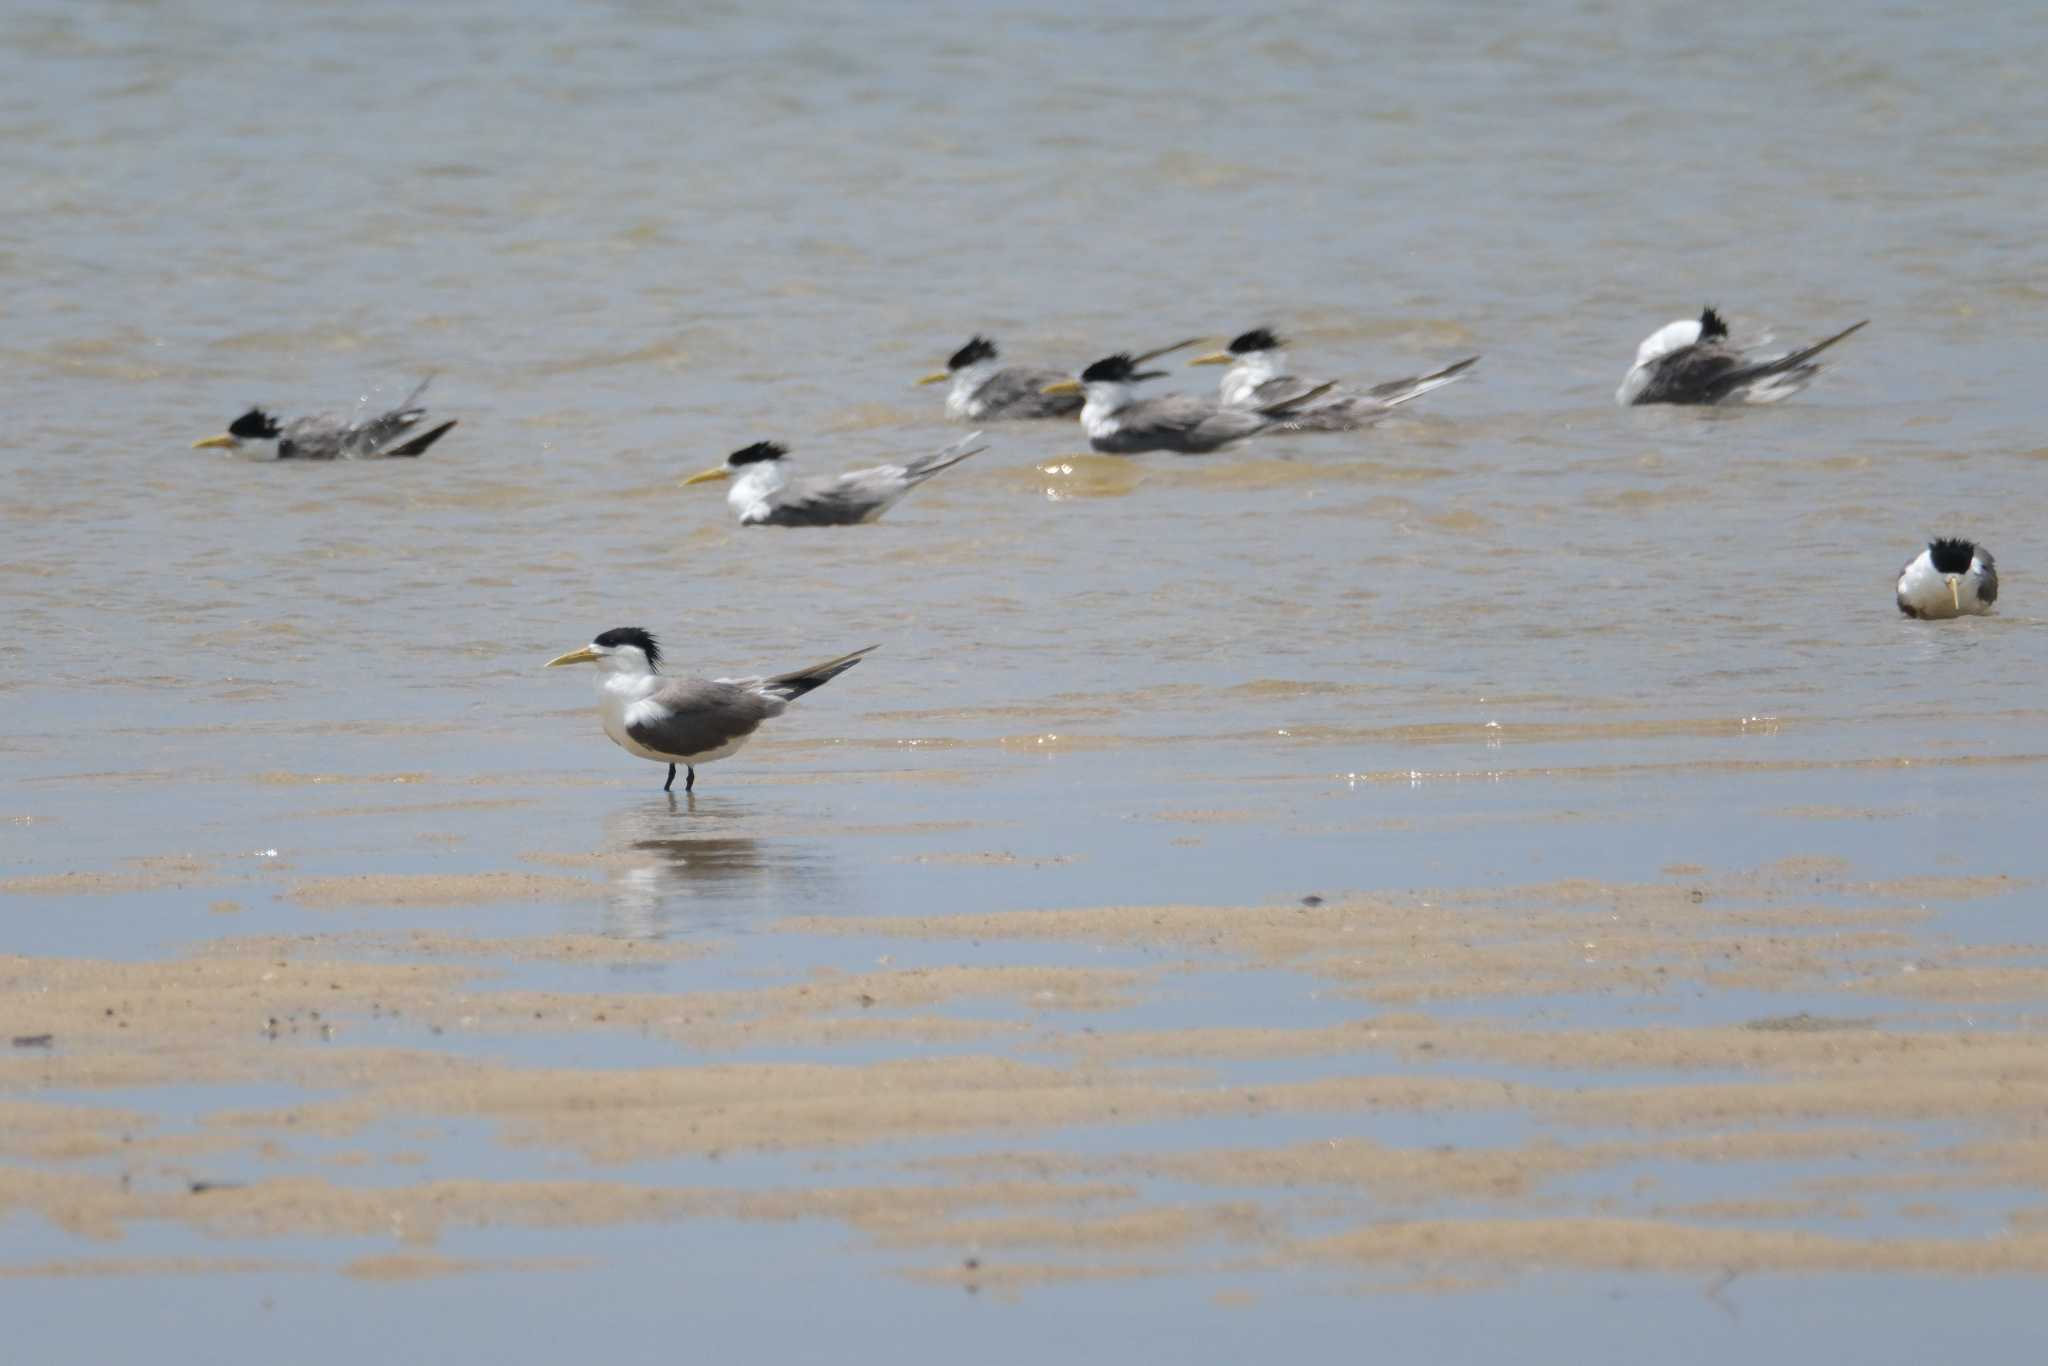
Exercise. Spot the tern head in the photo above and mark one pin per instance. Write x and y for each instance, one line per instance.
(978, 351)
(1952, 558)
(254, 425)
(1711, 324)
(621, 650)
(761, 452)
(1255, 342)
(1118, 371)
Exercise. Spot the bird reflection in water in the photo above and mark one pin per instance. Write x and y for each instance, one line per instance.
(676, 869)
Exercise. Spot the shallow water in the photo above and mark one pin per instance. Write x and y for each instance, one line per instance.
(1514, 638)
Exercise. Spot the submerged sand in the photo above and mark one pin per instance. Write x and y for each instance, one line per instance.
(1875, 1092)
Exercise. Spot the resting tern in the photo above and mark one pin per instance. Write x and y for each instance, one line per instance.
(687, 721)
(322, 437)
(1692, 361)
(1122, 425)
(763, 494)
(983, 393)
(1951, 578)
(1258, 377)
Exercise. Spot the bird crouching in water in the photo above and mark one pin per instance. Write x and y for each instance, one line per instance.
(1258, 377)
(1951, 578)
(686, 721)
(986, 391)
(983, 391)
(763, 494)
(1692, 361)
(1119, 423)
(385, 436)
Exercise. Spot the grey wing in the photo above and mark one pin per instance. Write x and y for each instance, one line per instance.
(1345, 415)
(314, 438)
(370, 436)
(693, 716)
(1014, 392)
(1180, 423)
(1278, 389)
(1186, 424)
(849, 499)
(1352, 411)
(1705, 372)
(1987, 585)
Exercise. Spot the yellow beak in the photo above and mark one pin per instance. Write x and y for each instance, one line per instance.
(937, 377)
(1215, 358)
(1955, 590)
(582, 656)
(222, 442)
(1065, 386)
(708, 476)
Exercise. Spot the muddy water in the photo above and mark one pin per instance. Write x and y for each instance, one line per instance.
(1507, 878)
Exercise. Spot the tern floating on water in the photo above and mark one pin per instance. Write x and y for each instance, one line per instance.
(1691, 361)
(1121, 424)
(687, 721)
(1951, 578)
(763, 494)
(321, 437)
(1258, 378)
(982, 392)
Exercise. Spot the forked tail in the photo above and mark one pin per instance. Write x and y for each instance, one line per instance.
(419, 444)
(797, 682)
(1402, 390)
(925, 466)
(1798, 360)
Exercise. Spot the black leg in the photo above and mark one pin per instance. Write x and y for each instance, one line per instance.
(690, 783)
(670, 784)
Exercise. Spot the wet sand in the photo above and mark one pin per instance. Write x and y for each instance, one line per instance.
(1876, 1090)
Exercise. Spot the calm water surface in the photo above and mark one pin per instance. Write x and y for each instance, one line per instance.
(1514, 634)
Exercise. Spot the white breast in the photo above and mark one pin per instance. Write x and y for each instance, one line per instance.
(967, 381)
(1241, 382)
(616, 695)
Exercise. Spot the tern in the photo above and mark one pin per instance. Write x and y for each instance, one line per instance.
(1120, 424)
(322, 437)
(1258, 377)
(763, 494)
(982, 392)
(687, 721)
(1692, 361)
(1951, 578)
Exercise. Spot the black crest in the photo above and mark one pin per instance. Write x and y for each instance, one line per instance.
(756, 453)
(1951, 555)
(1258, 339)
(1117, 369)
(631, 635)
(1712, 325)
(254, 425)
(978, 348)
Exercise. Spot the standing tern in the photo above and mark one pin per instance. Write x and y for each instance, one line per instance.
(1951, 578)
(687, 721)
(1258, 377)
(983, 393)
(1120, 424)
(1692, 361)
(322, 437)
(763, 494)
